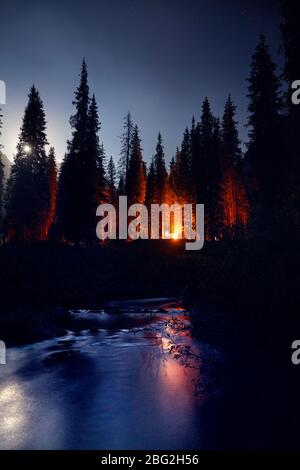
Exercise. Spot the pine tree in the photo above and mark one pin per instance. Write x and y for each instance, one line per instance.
(111, 175)
(136, 171)
(126, 141)
(27, 203)
(160, 193)
(101, 164)
(290, 32)
(82, 169)
(264, 155)
(184, 170)
(151, 184)
(234, 200)
(1, 171)
(209, 172)
(205, 151)
(214, 195)
(196, 161)
(121, 185)
(174, 177)
(96, 155)
(52, 184)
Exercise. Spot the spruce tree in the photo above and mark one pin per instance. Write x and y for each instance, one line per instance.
(230, 154)
(264, 155)
(205, 151)
(81, 173)
(101, 174)
(111, 175)
(161, 175)
(184, 177)
(174, 177)
(96, 165)
(52, 185)
(151, 184)
(209, 172)
(196, 161)
(1, 171)
(126, 141)
(290, 10)
(214, 194)
(28, 196)
(136, 171)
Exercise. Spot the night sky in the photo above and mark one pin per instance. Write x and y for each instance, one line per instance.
(156, 58)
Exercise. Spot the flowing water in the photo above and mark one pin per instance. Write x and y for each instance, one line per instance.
(128, 376)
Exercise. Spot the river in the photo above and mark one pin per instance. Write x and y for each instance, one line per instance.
(128, 376)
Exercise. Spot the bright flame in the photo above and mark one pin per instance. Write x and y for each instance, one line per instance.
(174, 235)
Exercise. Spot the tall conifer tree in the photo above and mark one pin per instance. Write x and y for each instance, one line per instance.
(264, 155)
(290, 30)
(28, 195)
(1, 170)
(161, 175)
(150, 190)
(234, 200)
(111, 176)
(52, 185)
(82, 169)
(126, 142)
(136, 171)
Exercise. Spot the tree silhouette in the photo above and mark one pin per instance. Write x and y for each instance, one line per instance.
(209, 174)
(264, 155)
(184, 169)
(126, 142)
(52, 185)
(111, 175)
(1, 170)
(150, 191)
(291, 44)
(234, 200)
(81, 176)
(136, 171)
(174, 177)
(160, 190)
(28, 196)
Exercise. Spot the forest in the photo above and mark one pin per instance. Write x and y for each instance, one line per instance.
(251, 199)
(143, 342)
(245, 193)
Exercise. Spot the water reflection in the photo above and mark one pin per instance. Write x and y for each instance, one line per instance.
(12, 399)
(107, 389)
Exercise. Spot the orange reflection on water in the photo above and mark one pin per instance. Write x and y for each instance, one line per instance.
(177, 363)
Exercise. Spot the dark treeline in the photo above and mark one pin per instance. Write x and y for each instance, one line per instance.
(242, 193)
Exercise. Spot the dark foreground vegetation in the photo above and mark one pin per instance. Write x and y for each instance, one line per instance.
(256, 281)
(243, 295)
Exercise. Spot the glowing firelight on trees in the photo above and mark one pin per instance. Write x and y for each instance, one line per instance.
(162, 224)
(175, 235)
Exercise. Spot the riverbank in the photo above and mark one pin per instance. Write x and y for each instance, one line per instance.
(128, 382)
(244, 298)
(254, 284)
(252, 314)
